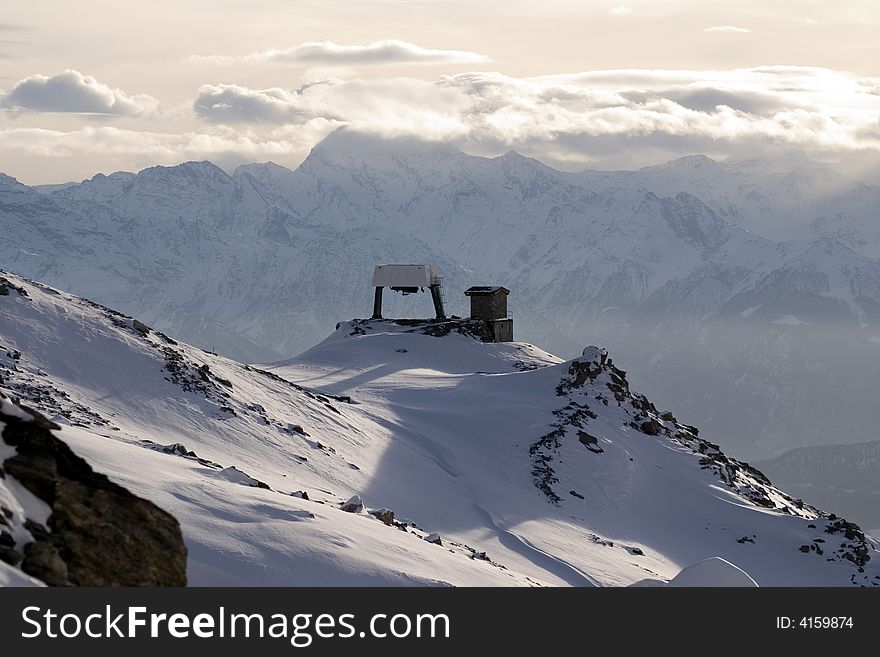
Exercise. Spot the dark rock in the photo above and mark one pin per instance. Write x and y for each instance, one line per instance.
(576, 494)
(6, 539)
(99, 534)
(166, 338)
(6, 512)
(42, 560)
(804, 548)
(10, 556)
(301, 494)
(745, 539)
(590, 442)
(650, 427)
(434, 538)
(6, 285)
(580, 371)
(354, 504)
(636, 551)
(667, 416)
(385, 515)
(37, 530)
(140, 327)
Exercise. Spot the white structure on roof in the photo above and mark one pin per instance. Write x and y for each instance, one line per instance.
(405, 276)
(407, 279)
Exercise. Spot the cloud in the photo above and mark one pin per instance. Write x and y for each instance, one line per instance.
(328, 53)
(109, 147)
(230, 103)
(71, 91)
(606, 119)
(410, 105)
(620, 10)
(732, 29)
(571, 118)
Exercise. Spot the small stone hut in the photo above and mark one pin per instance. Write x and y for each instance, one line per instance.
(489, 303)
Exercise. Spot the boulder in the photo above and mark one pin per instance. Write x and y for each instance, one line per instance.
(650, 427)
(98, 533)
(385, 515)
(354, 504)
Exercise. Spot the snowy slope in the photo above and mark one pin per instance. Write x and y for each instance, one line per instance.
(531, 470)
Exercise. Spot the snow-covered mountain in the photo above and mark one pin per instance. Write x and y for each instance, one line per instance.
(409, 452)
(756, 282)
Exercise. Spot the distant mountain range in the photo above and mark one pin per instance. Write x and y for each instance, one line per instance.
(746, 296)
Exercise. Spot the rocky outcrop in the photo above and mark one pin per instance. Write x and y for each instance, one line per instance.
(353, 505)
(6, 285)
(593, 379)
(98, 533)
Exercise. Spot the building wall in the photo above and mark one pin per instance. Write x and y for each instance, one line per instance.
(492, 306)
(502, 329)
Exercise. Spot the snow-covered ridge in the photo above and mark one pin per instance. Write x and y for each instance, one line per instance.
(405, 453)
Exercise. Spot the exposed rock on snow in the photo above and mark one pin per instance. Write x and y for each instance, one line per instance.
(385, 515)
(6, 286)
(95, 532)
(354, 504)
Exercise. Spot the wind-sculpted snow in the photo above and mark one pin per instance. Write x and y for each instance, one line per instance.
(404, 453)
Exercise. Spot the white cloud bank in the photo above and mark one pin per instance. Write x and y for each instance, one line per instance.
(71, 91)
(577, 117)
(109, 148)
(606, 119)
(328, 53)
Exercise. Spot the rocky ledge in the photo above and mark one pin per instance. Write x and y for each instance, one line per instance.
(96, 532)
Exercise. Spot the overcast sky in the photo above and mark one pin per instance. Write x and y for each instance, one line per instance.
(102, 85)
